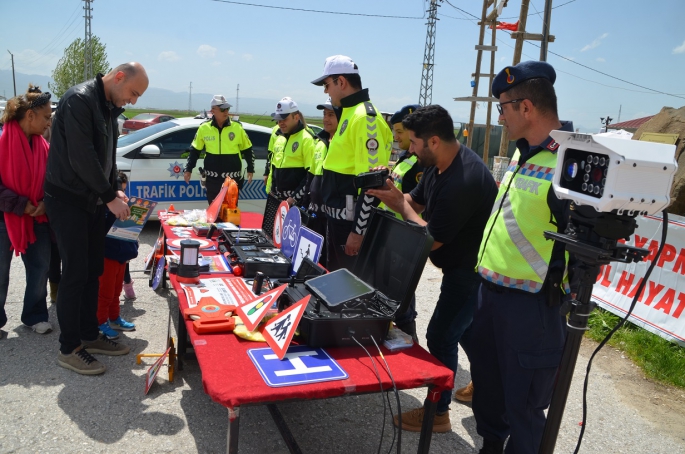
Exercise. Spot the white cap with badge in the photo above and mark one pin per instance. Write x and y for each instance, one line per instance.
(285, 107)
(220, 100)
(337, 64)
(327, 105)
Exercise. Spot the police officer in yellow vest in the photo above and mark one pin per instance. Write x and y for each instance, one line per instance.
(406, 173)
(517, 336)
(362, 141)
(226, 144)
(275, 132)
(293, 154)
(330, 125)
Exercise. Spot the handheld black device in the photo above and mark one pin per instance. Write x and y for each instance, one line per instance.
(371, 180)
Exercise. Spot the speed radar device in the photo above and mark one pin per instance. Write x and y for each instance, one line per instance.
(614, 175)
(610, 181)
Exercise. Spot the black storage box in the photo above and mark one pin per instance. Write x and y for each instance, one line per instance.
(245, 236)
(267, 259)
(391, 260)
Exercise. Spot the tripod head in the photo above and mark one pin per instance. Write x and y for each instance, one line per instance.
(593, 237)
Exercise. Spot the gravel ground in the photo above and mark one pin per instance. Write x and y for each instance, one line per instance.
(46, 408)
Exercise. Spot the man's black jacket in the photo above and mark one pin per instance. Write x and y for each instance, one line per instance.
(77, 158)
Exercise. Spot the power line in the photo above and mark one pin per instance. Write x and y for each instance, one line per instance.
(500, 18)
(64, 27)
(318, 11)
(67, 34)
(577, 63)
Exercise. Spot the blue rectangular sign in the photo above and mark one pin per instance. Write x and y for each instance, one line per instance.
(302, 364)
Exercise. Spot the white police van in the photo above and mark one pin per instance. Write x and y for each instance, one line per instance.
(153, 158)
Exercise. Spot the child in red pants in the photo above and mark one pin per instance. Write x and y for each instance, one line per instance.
(117, 254)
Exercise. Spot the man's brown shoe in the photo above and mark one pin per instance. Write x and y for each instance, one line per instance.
(105, 346)
(413, 419)
(465, 394)
(80, 361)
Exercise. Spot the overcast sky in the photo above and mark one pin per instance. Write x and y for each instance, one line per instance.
(617, 54)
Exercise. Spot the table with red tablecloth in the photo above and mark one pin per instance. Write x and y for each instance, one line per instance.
(231, 379)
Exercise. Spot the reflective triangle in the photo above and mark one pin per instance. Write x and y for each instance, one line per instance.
(252, 312)
(279, 331)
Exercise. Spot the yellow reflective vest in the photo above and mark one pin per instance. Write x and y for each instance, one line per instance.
(292, 158)
(224, 149)
(398, 172)
(363, 140)
(514, 252)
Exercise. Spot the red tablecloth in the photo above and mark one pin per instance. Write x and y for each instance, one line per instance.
(230, 378)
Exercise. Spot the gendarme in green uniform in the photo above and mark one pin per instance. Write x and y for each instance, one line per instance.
(513, 252)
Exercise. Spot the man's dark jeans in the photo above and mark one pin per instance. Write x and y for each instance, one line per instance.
(81, 241)
(452, 316)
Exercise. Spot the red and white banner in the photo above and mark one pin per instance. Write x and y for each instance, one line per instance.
(661, 306)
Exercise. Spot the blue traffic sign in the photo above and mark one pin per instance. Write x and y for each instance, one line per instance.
(302, 364)
(291, 231)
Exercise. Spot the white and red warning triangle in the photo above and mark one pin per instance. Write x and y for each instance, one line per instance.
(252, 312)
(279, 331)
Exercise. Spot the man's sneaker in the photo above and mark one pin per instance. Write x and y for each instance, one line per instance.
(413, 419)
(105, 346)
(129, 293)
(80, 361)
(122, 325)
(42, 327)
(465, 394)
(107, 331)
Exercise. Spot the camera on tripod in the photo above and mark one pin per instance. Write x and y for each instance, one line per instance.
(371, 180)
(610, 182)
(614, 175)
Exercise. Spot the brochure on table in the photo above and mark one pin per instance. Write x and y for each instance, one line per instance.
(223, 290)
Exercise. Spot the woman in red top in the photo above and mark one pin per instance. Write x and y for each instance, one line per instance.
(24, 226)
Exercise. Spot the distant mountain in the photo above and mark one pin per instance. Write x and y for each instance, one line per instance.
(154, 98)
(22, 81)
(159, 98)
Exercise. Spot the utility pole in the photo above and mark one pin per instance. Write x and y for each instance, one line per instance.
(426, 93)
(520, 36)
(88, 43)
(13, 79)
(487, 19)
(237, 99)
(547, 16)
(190, 98)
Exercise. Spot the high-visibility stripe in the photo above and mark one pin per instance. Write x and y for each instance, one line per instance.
(505, 281)
(529, 253)
(535, 171)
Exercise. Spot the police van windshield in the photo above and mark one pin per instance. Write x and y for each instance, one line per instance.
(142, 134)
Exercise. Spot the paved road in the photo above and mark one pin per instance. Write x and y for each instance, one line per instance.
(44, 408)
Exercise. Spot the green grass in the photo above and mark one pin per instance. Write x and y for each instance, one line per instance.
(263, 120)
(660, 359)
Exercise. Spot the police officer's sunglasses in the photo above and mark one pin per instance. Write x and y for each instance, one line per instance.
(325, 85)
(513, 101)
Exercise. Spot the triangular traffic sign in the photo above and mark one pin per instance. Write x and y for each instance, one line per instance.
(279, 331)
(252, 312)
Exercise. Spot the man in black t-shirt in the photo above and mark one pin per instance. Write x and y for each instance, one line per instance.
(455, 195)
